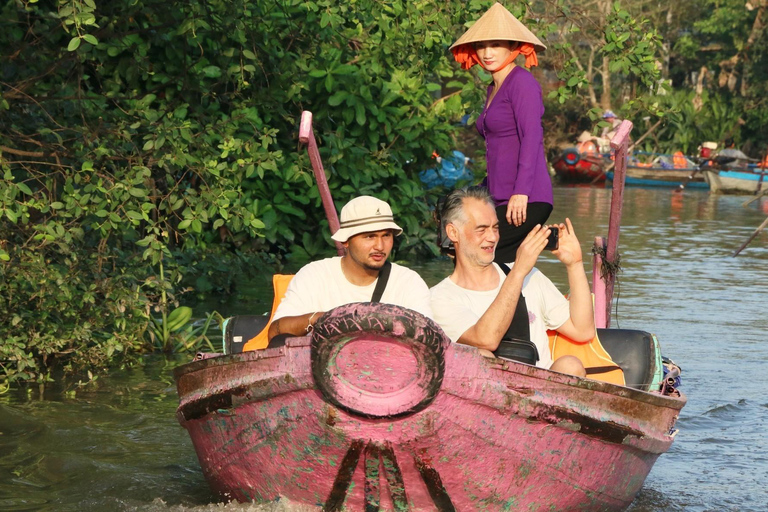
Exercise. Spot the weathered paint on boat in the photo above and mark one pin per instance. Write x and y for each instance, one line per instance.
(497, 435)
(736, 181)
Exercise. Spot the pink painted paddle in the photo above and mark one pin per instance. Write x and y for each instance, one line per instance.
(307, 136)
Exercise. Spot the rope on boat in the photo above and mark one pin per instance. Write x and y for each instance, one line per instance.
(610, 268)
(607, 268)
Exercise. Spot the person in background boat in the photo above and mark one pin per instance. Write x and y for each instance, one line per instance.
(604, 141)
(367, 231)
(510, 123)
(613, 126)
(587, 144)
(478, 305)
(731, 151)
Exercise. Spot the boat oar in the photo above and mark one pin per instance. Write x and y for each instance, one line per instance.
(603, 172)
(687, 180)
(307, 136)
(758, 196)
(752, 237)
(718, 162)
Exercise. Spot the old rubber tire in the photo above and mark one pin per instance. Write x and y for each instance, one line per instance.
(378, 360)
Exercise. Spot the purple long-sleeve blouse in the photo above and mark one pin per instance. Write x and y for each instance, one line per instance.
(514, 140)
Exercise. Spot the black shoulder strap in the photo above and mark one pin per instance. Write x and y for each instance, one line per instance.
(518, 328)
(381, 284)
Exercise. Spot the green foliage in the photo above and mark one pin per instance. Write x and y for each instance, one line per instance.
(177, 332)
(632, 46)
(727, 41)
(64, 306)
(135, 132)
(685, 128)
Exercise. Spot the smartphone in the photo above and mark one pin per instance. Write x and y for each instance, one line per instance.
(552, 239)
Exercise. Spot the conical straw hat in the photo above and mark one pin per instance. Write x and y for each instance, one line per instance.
(499, 24)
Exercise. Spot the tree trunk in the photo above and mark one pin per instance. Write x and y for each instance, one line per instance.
(605, 97)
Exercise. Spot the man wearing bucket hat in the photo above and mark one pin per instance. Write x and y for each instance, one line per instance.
(510, 123)
(367, 230)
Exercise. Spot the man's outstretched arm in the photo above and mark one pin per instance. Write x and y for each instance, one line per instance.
(294, 325)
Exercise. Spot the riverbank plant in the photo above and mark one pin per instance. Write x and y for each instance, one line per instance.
(133, 132)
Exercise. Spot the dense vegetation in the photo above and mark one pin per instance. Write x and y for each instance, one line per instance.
(149, 148)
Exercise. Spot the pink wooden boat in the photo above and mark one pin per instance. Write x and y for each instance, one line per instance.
(379, 411)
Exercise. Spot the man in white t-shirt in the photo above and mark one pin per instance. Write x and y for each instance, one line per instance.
(476, 304)
(367, 230)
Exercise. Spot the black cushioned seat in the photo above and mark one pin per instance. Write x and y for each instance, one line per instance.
(635, 352)
(240, 329)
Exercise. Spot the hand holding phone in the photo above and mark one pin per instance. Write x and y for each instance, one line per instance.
(553, 239)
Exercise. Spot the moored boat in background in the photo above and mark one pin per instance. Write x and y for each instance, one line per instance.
(751, 180)
(573, 166)
(662, 170)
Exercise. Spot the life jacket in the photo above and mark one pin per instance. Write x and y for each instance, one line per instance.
(587, 147)
(279, 286)
(593, 356)
(679, 161)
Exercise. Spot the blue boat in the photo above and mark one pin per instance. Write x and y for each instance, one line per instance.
(662, 170)
(737, 181)
(661, 177)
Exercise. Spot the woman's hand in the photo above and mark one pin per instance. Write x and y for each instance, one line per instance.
(517, 209)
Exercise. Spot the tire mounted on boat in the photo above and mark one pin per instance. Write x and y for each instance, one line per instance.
(350, 348)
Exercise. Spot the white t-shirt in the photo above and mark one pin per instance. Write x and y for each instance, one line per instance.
(321, 286)
(457, 309)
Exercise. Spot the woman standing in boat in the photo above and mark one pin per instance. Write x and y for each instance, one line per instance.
(510, 123)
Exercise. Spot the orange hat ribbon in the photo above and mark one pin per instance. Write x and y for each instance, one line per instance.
(466, 55)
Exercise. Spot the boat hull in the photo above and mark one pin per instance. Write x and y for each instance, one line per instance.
(498, 435)
(660, 177)
(736, 182)
(572, 167)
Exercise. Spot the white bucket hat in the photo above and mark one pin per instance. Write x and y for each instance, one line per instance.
(365, 214)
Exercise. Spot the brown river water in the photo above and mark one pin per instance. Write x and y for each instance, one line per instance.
(117, 445)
